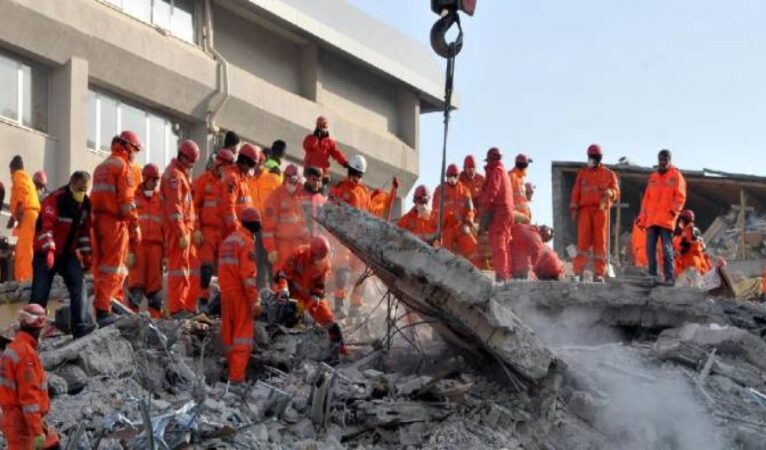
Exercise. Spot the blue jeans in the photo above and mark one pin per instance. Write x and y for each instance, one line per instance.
(652, 234)
(68, 266)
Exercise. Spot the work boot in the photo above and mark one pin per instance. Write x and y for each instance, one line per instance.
(338, 310)
(105, 318)
(354, 310)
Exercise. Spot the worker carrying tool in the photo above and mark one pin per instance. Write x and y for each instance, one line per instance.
(496, 206)
(319, 147)
(24, 387)
(234, 191)
(145, 276)
(663, 201)
(458, 217)
(594, 192)
(115, 222)
(240, 302)
(690, 246)
(24, 207)
(304, 277)
(421, 219)
(63, 247)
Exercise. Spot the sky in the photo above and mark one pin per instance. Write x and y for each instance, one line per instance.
(549, 77)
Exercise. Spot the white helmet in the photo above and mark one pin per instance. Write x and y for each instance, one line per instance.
(358, 163)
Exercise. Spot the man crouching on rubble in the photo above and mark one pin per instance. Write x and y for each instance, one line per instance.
(304, 276)
(240, 302)
(24, 387)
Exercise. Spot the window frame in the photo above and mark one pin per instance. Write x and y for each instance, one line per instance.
(196, 33)
(33, 67)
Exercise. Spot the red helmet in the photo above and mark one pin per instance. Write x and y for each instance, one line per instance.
(249, 215)
(452, 170)
(595, 150)
(129, 137)
(320, 247)
(40, 178)
(469, 162)
(687, 215)
(291, 171)
(523, 159)
(150, 171)
(494, 154)
(224, 156)
(33, 316)
(322, 122)
(252, 152)
(421, 193)
(190, 150)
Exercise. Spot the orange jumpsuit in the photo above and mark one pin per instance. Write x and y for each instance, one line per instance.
(307, 278)
(115, 219)
(521, 246)
(205, 192)
(358, 196)
(24, 202)
(422, 227)
(483, 255)
(234, 197)
(457, 220)
(663, 199)
(284, 224)
(261, 186)
(178, 221)
(146, 274)
(690, 251)
(239, 297)
(23, 394)
(594, 192)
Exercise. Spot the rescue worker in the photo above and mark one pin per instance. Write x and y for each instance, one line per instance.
(496, 206)
(548, 266)
(63, 247)
(40, 178)
(594, 192)
(457, 219)
(421, 219)
(234, 192)
(24, 387)
(240, 301)
(664, 199)
(522, 233)
(319, 147)
(312, 198)
(231, 142)
(304, 277)
(273, 162)
(284, 226)
(521, 211)
(178, 220)
(471, 179)
(690, 246)
(24, 208)
(209, 228)
(262, 184)
(115, 223)
(145, 277)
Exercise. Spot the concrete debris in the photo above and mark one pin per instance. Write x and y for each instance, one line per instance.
(724, 237)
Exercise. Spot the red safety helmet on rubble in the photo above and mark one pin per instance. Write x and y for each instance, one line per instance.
(40, 178)
(128, 137)
(469, 162)
(224, 156)
(190, 150)
(150, 170)
(687, 215)
(320, 247)
(291, 171)
(422, 194)
(595, 150)
(322, 122)
(252, 152)
(452, 170)
(33, 316)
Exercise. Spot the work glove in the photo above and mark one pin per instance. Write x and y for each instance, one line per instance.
(50, 259)
(87, 261)
(183, 242)
(395, 182)
(130, 260)
(198, 237)
(273, 257)
(39, 442)
(11, 222)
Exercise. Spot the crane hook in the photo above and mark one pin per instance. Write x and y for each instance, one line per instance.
(439, 35)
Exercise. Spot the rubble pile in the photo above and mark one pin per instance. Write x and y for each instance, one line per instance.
(724, 236)
(15, 292)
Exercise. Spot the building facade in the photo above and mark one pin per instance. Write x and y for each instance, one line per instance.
(74, 73)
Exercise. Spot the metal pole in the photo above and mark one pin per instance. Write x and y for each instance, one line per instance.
(447, 107)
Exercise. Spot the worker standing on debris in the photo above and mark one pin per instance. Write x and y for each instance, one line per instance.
(284, 226)
(274, 158)
(234, 190)
(262, 184)
(421, 220)
(471, 179)
(483, 255)
(145, 277)
(304, 277)
(663, 201)
(521, 211)
(594, 192)
(178, 220)
(496, 206)
(62, 246)
(24, 207)
(115, 222)
(240, 301)
(319, 147)
(690, 246)
(24, 387)
(40, 178)
(457, 219)
(312, 198)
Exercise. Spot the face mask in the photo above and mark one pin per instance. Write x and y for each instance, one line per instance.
(78, 196)
(291, 188)
(251, 172)
(422, 209)
(452, 180)
(592, 163)
(149, 193)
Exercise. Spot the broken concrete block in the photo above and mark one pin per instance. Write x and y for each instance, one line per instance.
(102, 352)
(56, 385)
(408, 387)
(74, 376)
(304, 429)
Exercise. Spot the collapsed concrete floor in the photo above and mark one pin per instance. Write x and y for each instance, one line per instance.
(441, 360)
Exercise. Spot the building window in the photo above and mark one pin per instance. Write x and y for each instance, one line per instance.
(24, 93)
(176, 16)
(108, 116)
